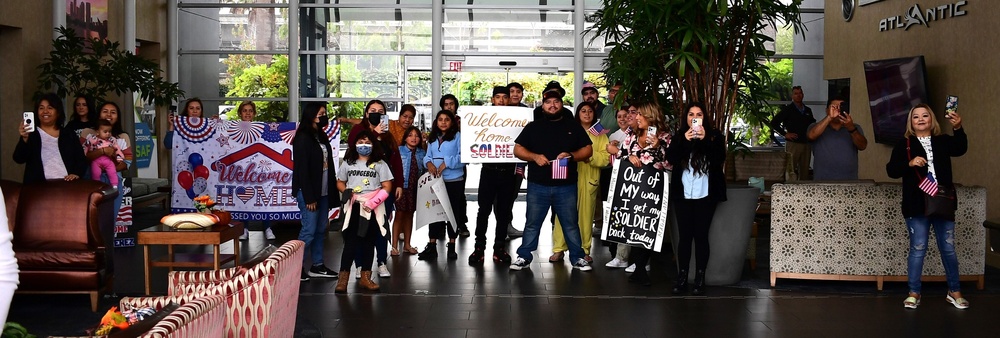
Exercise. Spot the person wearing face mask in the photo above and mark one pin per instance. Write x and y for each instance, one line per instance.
(407, 113)
(313, 183)
(372, 121)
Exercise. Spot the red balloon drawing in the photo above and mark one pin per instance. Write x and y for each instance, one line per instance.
(185, 179)
(201, 171)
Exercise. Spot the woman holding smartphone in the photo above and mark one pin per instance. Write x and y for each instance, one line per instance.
(697, 185)
(47, 151)
(648, 147)
(926, 152)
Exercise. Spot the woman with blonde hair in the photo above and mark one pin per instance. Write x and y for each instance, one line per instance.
(926, 153)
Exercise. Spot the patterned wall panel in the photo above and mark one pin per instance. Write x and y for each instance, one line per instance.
(858, 229)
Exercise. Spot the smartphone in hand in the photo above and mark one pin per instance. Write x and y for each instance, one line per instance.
(951, 106)
(385, 123)
(696, 125)
(651, 133)
(29, 121)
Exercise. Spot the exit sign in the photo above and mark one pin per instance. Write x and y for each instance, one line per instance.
(455, 66)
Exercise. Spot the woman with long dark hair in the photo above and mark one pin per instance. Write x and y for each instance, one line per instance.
(926, 152)
(247, 111)
(313, 184)
(84, 115)
(365, 180)
(444, 160)
(49, 152)
(697, 153)
(372, 122)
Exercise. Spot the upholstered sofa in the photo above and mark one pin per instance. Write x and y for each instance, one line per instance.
(260, 300)
(856, 232)
(62, 232)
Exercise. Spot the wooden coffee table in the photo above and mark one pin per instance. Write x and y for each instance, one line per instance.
(165, 235)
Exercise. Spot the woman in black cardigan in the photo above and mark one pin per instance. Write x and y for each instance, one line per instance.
(912, 162)
(697, 185)
(66, 162)
(312, 154)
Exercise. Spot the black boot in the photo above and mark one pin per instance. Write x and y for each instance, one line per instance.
(681, 284)
(430, 252)
(641, 277)
(452, 254)
(699, 283)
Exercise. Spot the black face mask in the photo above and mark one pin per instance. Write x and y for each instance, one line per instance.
(323, 121)
(374, 118)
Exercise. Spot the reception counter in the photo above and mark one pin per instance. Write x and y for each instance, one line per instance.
(856, 232)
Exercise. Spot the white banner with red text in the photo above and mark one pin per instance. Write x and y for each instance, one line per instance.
(488, 132)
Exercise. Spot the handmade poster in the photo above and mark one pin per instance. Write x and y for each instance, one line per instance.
(488, 132)
(124, 233)
(246, 167)
(433, 204)
(636, 212)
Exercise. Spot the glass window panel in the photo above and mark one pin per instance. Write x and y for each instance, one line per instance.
(276, 2)
(363, 3)
(352, 76)
(592, 45)
(353, 29)
(511, 2)
(232, 28)
(508, 30)
(233, 75)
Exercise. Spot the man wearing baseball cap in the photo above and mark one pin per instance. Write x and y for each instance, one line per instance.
(590, 94)
(552, 144)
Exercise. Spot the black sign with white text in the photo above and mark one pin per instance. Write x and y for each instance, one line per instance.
(636, 212)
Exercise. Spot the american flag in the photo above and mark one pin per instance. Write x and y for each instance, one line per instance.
(597, 129)
(519, 169)
(929, 185)
(559, 168)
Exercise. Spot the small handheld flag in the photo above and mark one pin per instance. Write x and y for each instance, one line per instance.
(929, 185)
(597, 129)
(559, 168)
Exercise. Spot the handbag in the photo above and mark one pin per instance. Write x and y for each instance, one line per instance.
(941, 204)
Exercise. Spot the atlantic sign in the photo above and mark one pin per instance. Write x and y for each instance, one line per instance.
(922, 17)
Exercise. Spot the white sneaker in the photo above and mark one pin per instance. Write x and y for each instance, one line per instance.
(631, 268)
(616, 263)
(268, 234)
(383, 271)
(245, 235)
(357, 273)
(520, 263)
(582, 265)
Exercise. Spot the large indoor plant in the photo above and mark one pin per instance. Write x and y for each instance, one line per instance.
(96, 68)
(677, 51)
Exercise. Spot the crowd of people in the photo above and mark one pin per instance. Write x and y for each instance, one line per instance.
(568, 174)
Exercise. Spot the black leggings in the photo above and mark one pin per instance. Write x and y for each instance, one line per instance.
(456, 195)
(693, 220)
(363, 244)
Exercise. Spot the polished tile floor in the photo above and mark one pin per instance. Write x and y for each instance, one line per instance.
(452, 299)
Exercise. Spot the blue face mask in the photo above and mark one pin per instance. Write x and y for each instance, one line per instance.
(364, 149)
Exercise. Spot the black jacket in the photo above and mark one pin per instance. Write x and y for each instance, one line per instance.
(791, 120)
(30, 154)
(944, 147)
(307, 171)
(680, 151)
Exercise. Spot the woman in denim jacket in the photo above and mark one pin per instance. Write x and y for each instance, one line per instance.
(412, 155)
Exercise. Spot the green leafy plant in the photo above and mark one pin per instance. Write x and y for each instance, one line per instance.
(694, 50)
(72, 69)
(15, 330)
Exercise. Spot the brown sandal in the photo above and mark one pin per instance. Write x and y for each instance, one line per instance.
(394, 252)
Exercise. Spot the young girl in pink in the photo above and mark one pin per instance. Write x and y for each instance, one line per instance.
(113, 155)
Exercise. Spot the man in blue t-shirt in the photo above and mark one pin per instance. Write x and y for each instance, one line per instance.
(552, 144)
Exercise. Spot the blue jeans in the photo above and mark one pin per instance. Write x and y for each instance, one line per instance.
(562, 200)
(944, 230)
(313, 227)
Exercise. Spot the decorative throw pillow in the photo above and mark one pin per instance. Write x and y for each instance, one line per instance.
(143, 326)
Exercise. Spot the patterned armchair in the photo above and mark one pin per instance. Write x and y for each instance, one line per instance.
(202, 317)
(260, 301)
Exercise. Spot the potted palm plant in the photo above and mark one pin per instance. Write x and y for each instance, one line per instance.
(677, 51)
